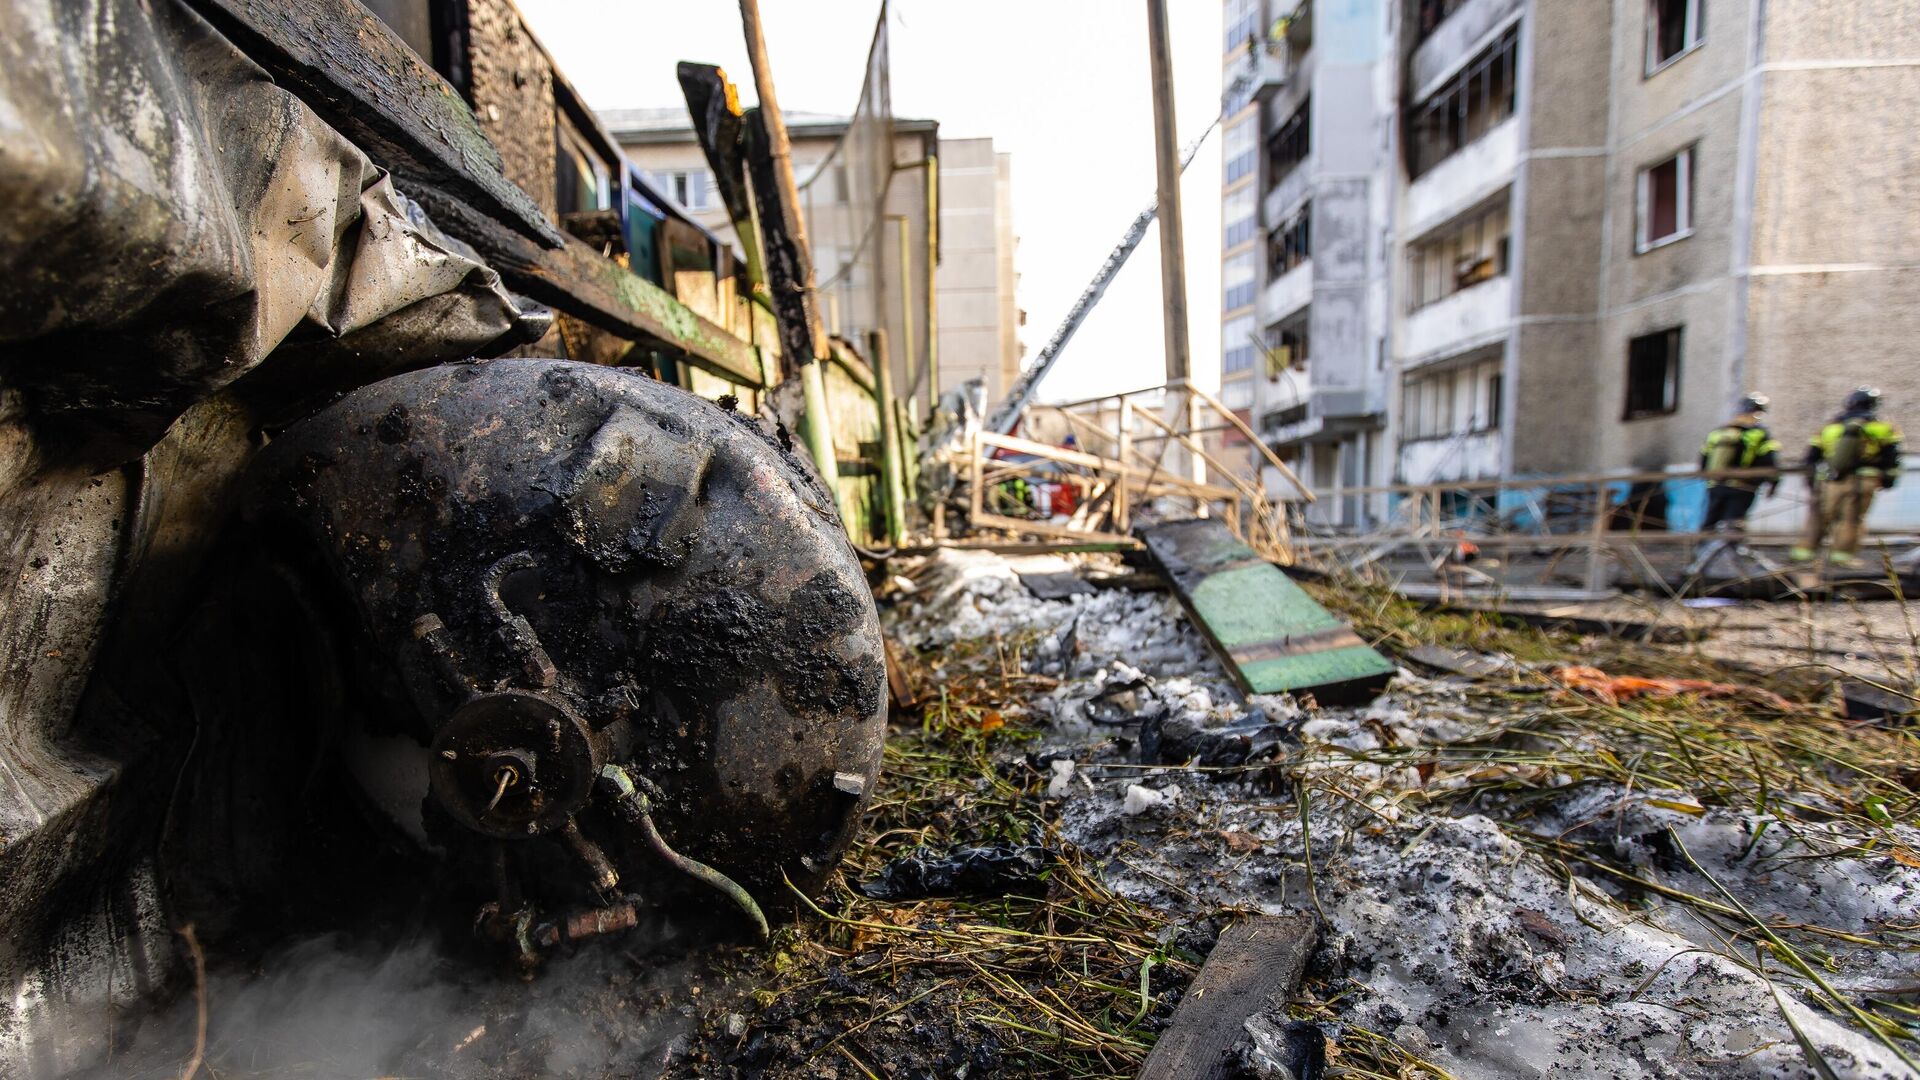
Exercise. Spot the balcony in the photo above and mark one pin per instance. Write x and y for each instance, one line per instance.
(1281, 199)
(1287, 294)
(1453, 39)
(1271, 72)
(1464, 179)
(1455, 457)
(1473, 316)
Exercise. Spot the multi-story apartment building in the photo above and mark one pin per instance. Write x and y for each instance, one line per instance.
(974, 328)
(1605, 220)
(1310, 181)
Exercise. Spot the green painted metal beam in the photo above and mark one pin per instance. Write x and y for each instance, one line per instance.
(1269, 634)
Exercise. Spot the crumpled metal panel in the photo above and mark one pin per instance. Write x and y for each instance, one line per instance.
(179, 237)
(169, 216)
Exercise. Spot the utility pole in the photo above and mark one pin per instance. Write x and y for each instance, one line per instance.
(1173, 248)
(1173, 268)
(788, 262)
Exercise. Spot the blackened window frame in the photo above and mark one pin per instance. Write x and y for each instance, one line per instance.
(1290, 144)
(1444, 123)
(1671, 341)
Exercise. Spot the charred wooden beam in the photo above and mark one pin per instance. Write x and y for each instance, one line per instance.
(361, 78)
(576, 279)
(785, 257)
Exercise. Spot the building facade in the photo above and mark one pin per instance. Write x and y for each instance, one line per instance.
(1604, 221)
(1309, 185)
(859, 262)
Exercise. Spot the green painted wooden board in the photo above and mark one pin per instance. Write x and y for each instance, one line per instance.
(1272, 637)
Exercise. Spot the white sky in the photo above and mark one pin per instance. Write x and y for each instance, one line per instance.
(1061, 84)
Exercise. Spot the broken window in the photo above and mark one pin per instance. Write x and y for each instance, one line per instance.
(1472, 103)
(1653, 374)
(1288, 146)
(1291, 242)
(1460, 254)
(1665, 202)
(1673, 29)
(1241, 148)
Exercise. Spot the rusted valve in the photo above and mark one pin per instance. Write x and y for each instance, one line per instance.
(559, 566)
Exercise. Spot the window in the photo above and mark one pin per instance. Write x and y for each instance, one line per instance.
(1241, 152)
(1239, 215)
(1291, 242)
(1459, 255)
(1238, 284)
(1237, 345)
(1653, 374)
(1290, 143)
(1287, 347)
(1451, 403)
(1665, 202)
(1236, 394)
(1243, 23)
(691, 188)
(1673, 30)
(1473, 103)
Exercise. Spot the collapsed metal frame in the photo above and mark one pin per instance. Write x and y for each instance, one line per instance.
(1116, 485)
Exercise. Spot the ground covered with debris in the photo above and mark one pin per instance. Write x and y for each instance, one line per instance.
(1592, 859)
(1574, 867)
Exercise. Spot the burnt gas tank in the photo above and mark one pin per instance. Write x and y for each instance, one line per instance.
(617, 634)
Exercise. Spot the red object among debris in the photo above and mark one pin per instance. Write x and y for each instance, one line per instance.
(1613, 689)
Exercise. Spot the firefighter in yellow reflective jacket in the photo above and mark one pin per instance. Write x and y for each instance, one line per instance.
(1850, 459)
(1744, 443)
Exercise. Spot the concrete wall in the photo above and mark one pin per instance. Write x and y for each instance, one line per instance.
(1007, 245)
(972, 307)
(1834, 298)
(1559, 235)
(1694, 101)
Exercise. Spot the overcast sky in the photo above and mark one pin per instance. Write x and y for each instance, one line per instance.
(1061, 84)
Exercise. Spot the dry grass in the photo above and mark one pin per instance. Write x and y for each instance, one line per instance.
(1073, 983)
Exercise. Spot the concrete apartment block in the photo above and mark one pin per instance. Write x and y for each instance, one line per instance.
(1599, 221)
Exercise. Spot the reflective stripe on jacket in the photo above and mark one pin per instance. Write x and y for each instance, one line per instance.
(1879, 444)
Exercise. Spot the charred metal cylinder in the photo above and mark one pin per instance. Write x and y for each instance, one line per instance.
(559, 569)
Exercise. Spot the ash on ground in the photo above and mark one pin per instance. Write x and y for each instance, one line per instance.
(1510, 881)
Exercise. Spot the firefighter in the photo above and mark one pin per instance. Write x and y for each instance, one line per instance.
(1851, 458)
(1744, 443)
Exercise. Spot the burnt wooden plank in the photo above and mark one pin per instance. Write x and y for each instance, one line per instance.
(1255, 962)
(1270, 635)
(578, 280)
(1056, 585)
(784, 258)
(358, 76)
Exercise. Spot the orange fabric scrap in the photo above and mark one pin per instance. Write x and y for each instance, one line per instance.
(1613, 689)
